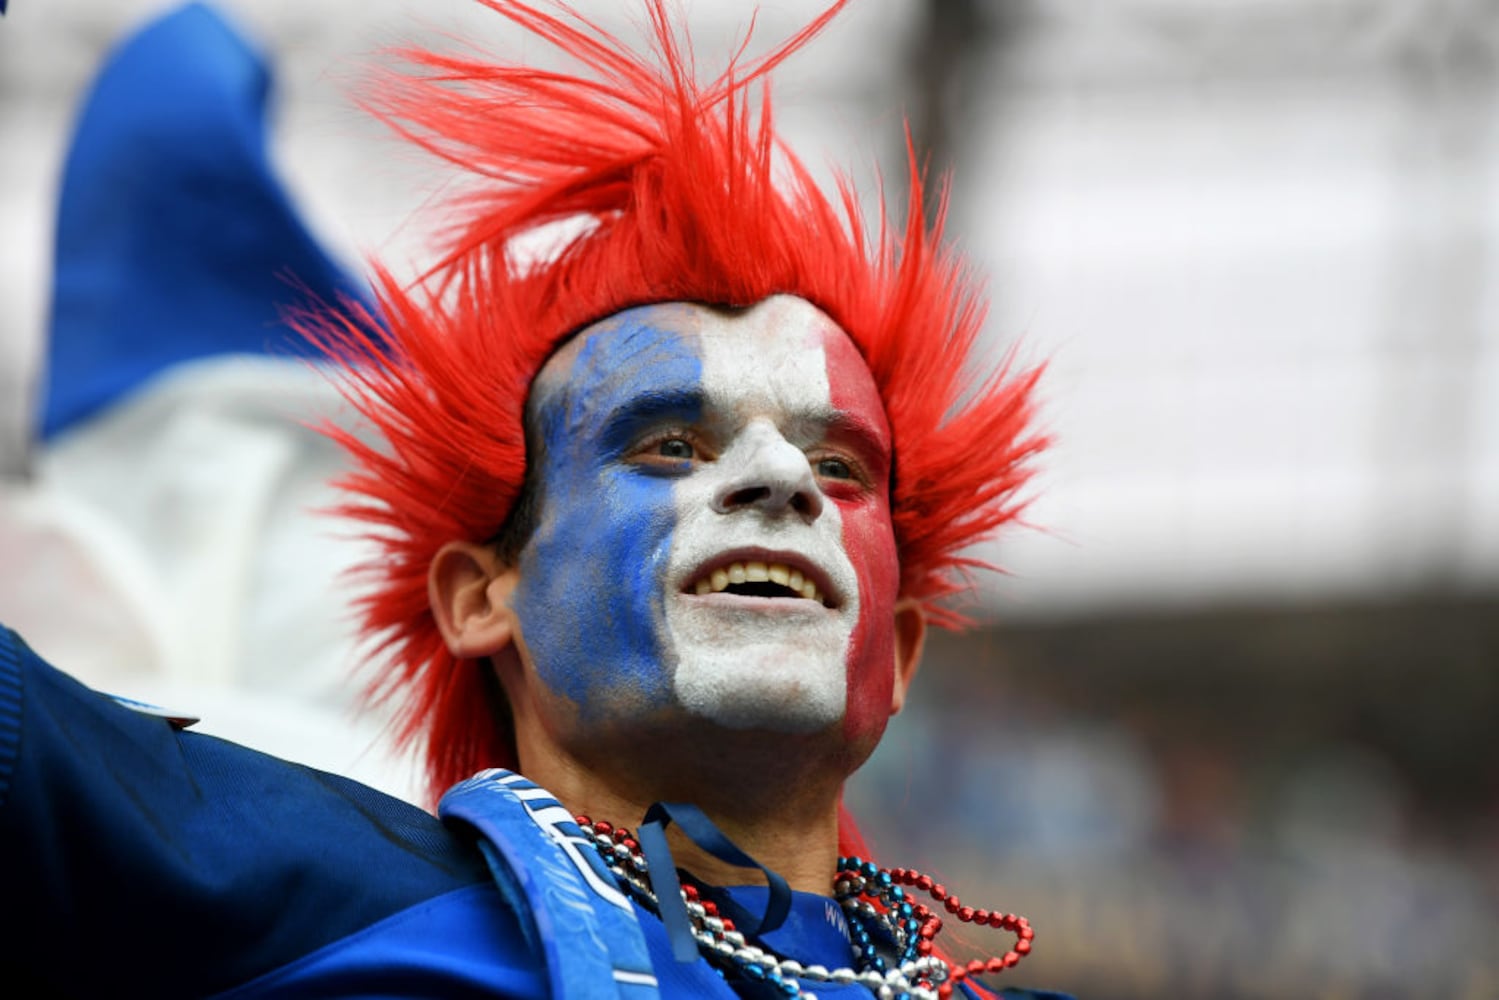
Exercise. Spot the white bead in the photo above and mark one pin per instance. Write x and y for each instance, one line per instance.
(843, 975)
(818, 972)
(791, 967)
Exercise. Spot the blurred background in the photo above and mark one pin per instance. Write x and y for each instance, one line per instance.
(1225, 727)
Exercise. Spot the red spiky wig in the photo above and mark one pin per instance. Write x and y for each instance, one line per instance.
(675, 190)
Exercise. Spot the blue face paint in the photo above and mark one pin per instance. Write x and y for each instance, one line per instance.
(590, 597)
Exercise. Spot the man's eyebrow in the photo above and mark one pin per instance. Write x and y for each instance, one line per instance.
(625, 419)
(866, 435)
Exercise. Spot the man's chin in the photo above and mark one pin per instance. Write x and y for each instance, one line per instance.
(774, 686)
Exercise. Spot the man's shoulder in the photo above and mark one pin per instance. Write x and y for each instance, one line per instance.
(224, 862)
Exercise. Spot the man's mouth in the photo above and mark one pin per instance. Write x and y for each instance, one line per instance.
(754, 578)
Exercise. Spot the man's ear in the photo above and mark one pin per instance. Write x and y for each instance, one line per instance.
(469, 590)
(910, 636)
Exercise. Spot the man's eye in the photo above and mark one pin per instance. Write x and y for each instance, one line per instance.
(834, 468)
(675, 448)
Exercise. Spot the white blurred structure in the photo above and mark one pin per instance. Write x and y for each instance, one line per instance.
(1255, 241)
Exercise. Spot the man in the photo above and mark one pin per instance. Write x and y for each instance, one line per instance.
(664, 510)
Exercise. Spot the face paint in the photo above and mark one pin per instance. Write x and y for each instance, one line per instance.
(685, 444)
(776, 663)
(589, 597)
(869, 538)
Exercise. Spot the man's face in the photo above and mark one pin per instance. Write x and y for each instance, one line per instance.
(715, 534)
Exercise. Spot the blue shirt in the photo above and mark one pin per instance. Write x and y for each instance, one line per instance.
(156, 862)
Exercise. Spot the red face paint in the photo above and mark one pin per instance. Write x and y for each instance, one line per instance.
(869, 540)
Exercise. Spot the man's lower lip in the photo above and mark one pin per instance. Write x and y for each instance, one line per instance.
(742, 602)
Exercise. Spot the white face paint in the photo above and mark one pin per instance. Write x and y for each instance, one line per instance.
(744, 661)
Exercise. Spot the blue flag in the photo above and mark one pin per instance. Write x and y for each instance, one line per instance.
(175, 239)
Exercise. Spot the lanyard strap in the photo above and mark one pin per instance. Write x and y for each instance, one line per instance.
(702, 831)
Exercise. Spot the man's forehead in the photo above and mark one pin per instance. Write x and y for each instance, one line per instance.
(781, 345)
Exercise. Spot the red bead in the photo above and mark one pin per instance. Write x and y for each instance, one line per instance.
(604, 827)
(952, 904)
(965, 914)
(925, 884)
(976, 967)
(1026, 934)
(583, 821)
(728, 925)
(981, 916)
(924, 947)
(690, 891)
(1022, 947)
(995, 965)
(944, 991)
(710, 908)
(1011, 958)
(939, 891)
(631, 844)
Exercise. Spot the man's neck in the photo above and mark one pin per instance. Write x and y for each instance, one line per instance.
(787, 825)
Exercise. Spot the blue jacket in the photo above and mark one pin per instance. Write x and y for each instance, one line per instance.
(151, 861)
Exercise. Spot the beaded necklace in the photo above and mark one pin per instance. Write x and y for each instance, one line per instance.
(877, 907)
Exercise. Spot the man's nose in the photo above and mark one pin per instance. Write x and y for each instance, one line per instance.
(764, 471)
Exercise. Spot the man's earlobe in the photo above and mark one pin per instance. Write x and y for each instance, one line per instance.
(910, 636)
(469, 590)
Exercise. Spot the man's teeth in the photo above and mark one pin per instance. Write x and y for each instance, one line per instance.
(758, 572)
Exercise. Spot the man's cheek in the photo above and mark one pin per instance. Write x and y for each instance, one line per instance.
(592, 589)
(871, 657)
(625, 538)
